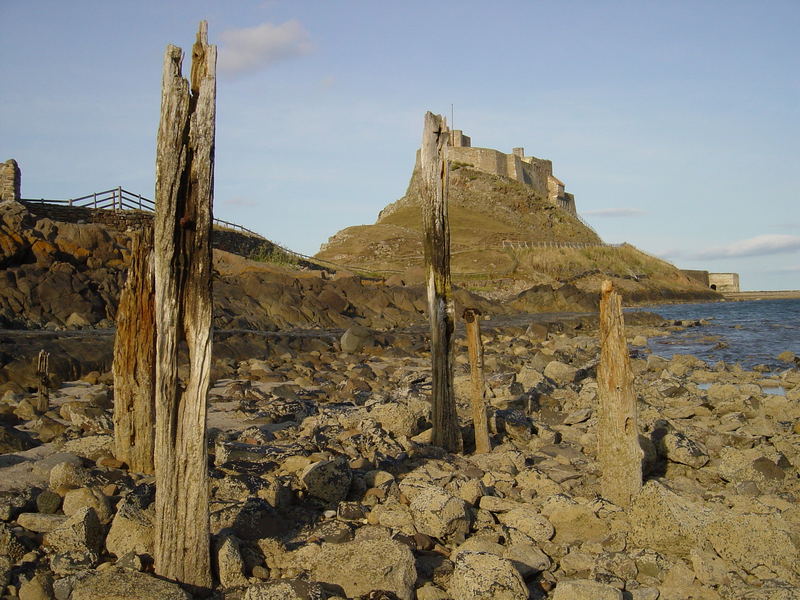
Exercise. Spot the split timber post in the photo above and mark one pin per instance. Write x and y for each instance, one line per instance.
(434, 172)
(475, 348)
(618, 449)
(135, 360)
(43, 382)
(184, 192)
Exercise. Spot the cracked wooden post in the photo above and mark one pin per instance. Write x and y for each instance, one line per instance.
(475, 348)
(618, 449)
(135, 360)
(184, 191)
(434, 177)
(43, 382)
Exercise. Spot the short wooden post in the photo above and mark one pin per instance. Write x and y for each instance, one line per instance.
(618, 449)
(434, 177)
(475, 348)
(135, 361)
(43, 381)
(184, 192)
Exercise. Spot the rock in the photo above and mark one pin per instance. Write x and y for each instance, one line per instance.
(364, 565)
(639, 341)
(122, 584)
(396, 418)
(440, 515)
(560, 372)
(751, 541)
(14, 502)
(10, 544)
(39, 522)
(356, 338)
(787, 357)
(14, 440)
(91, 447)
(39, 587)
(285, 589)
(131, 529)
(48, 502)
(80, 532)
(679, 448)
(74, 500)
(528, 521)
(328, 480)
(578, 589)
(229, 563)
(67, 475)
(576, 523)
(666, 522)
(527, 559)
(484, 576)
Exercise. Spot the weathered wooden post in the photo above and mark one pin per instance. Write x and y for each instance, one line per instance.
(43, 382)
(475, 348)
(434, 177)
(184, 192)
(618, 449)
(135, 360)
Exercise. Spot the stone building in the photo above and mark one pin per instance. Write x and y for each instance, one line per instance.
(9, 180)
(532, 171)
(724, 282)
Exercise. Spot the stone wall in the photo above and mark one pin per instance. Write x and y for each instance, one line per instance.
(724, 282)
(9, 180)
(529, 170)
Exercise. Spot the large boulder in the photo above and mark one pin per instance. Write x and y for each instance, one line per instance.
(485, 576)
(132, 528)
(327, 480)
(82, 532)
(356, 338)
(364, 565)
(528, 521)
(440, 514)
(124, 584)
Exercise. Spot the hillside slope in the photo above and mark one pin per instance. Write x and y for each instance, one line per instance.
(505, 237)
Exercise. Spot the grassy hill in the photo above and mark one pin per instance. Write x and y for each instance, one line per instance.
(505, 237)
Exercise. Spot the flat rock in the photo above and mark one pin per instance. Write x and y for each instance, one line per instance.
(123, 584)
(578, 589)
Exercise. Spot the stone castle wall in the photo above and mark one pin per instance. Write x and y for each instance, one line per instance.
(9, 180)
(529, 170)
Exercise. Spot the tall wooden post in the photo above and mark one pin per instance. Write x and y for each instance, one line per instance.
(135, 360)
(43, 381)
(475, 348)
(434, 177)
(618, 449)
(184, 191)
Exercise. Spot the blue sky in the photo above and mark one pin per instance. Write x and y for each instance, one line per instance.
(676, 124)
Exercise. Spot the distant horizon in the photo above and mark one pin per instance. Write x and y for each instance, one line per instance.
(675, 125)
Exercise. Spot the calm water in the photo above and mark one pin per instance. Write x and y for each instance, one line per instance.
(748, 333)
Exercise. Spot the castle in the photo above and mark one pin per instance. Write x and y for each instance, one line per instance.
(529, 170)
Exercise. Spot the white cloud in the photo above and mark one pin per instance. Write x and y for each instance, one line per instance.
(614, 212)
(760, 245)
(251, 49)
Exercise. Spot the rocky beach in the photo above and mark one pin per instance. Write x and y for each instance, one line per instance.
(323, 483)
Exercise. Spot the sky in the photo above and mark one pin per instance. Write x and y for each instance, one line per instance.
(676, 124)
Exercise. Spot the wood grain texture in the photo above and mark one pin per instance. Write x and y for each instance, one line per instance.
(434, 171)
(135, 361)
(618, 449)
(184, 197)
(478, 385)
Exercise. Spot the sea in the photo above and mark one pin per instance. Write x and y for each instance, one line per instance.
(749, 333)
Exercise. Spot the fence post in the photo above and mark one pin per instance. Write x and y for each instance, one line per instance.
(95, 199)
(119, 192)
(43, 382)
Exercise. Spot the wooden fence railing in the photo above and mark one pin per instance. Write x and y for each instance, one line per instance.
(119, 198)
